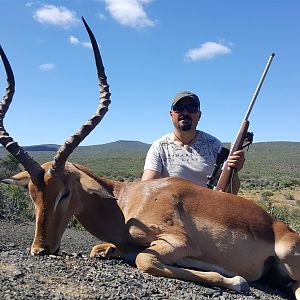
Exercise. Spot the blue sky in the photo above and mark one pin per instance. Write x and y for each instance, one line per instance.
(151, 50)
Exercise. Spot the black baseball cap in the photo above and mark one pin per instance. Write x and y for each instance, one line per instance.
(185, 94)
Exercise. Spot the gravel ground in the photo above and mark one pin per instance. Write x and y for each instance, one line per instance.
(76, 276)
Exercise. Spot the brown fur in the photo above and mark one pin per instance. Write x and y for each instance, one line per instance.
(164, 223)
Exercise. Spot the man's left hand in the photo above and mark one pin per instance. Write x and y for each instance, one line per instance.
(236, 160)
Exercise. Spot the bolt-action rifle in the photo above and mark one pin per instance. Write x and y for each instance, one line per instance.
(242, 140)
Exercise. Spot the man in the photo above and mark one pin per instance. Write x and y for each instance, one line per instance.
(187, 152)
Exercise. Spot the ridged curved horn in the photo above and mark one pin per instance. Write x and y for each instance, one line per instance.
(69, 146)
(30, 165)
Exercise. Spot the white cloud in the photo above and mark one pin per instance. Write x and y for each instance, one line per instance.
(129, 13)
(46, 67)
(87, 45)
(56, 15)
(75, 41)
(207, 50)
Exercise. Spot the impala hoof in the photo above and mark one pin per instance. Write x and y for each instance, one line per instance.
(103, 251)
(38, 251)
(240, 285)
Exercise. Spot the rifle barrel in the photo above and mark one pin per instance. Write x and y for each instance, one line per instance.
(259, 87)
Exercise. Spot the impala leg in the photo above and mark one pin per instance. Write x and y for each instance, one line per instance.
(157, 259)
(287, 248)
(105, 250)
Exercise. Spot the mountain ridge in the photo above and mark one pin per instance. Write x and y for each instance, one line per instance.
(126, 145)
(125, 159)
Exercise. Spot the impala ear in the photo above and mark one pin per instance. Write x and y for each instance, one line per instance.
(91, 186)
(20, 179)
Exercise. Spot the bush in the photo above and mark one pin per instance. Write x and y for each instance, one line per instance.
(288, 215)
(74, 223)
(272, 183)
(9, 166)
(290, 182)
(15, 204)
(266, 195)
(289, 197)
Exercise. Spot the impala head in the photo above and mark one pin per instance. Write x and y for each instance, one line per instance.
(51, 186)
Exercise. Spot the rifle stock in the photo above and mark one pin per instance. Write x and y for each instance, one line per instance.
(227, 172)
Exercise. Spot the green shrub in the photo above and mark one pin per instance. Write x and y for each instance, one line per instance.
(289, 197)
(289, 215)
(15, 204)
(9, 166)
(73, 223)
(264, 196)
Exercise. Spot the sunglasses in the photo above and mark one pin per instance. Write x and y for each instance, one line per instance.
(180, 108)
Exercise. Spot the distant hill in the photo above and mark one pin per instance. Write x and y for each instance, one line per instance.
(125, 159)
(48, 147)
(117, 147)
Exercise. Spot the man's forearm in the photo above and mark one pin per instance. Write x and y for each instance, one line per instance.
(150, 174)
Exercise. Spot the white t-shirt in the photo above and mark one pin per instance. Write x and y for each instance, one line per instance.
(193, 163)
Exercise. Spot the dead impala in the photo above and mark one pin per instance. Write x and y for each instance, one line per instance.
(175, 228)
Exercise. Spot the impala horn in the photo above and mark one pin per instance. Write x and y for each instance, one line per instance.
(30, 165)
(58, 163)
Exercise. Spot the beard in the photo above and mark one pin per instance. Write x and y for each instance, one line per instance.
(185, 126)
(185, 123)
